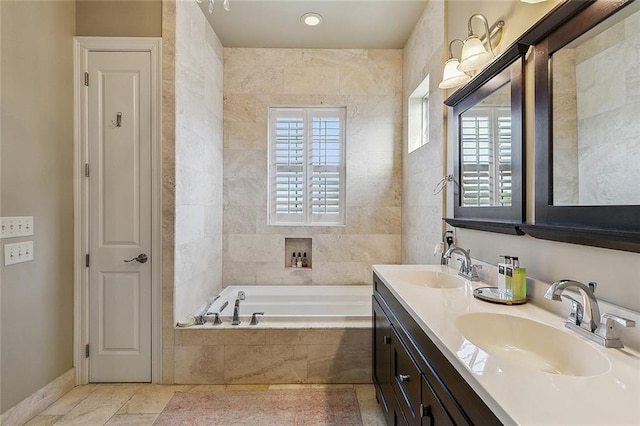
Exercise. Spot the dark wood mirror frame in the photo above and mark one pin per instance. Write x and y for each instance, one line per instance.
(611, 226)
(507, 69)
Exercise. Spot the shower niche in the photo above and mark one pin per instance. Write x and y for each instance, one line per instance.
(299, 249)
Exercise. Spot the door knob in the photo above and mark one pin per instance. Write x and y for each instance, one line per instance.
(142, 258)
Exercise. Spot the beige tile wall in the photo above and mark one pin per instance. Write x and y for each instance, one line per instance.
(191, 166)
(369, 84)
(423, 168)
(270, 356)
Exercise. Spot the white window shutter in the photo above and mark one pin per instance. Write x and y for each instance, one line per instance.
(307, 166)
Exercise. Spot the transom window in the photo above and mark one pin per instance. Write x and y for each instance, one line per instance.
(307, 166)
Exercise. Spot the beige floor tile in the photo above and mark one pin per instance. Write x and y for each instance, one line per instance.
(288, 387)
(150, 398)
(331, 386)
(100, 406)
(69, 400)
(42, 420)
(370, 410)
(132, 419)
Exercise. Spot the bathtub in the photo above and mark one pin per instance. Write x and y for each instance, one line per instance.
(307, 335)
(296, 305)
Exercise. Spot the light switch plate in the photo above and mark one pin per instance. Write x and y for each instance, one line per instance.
(17, 226)
(18, 252)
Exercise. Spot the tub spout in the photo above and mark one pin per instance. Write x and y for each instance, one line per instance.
(236, 309)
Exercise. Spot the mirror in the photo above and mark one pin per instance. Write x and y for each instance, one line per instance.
(595, 86)
(488, 132)
(587, 109)
(485, 151)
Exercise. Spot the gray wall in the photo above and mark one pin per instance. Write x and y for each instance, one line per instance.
(37, 176)
(37, 180)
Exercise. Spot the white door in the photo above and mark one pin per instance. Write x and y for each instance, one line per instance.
(119, 183)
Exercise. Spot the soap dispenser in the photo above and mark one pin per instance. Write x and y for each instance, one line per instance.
(518, 280)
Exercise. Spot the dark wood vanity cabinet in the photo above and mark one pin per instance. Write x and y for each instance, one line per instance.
(415, 383)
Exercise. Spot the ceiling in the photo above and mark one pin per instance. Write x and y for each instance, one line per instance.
(347, 24)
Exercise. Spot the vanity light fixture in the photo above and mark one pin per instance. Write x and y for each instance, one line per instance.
(311, 19)
(225, 4)
(474, 56)
(452, 77)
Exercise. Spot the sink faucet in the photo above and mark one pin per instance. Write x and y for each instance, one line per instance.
(585, 317)
(236, 308)
(587, 313)
(467, 269)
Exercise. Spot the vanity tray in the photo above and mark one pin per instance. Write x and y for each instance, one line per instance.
(491, 294)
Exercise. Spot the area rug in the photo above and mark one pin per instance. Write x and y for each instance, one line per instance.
(313, 407)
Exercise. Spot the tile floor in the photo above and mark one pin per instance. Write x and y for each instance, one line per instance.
(141, 404)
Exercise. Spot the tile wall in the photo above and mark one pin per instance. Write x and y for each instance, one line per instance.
(369, 84)
(269, 356)
(422, 210)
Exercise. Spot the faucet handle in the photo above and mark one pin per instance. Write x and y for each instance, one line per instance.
(607, 330)
(254, 318)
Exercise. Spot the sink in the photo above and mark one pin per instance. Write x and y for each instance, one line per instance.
(432, 279)
(532, 344)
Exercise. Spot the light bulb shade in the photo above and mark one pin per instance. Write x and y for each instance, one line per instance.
(452, 77)
(474, 56)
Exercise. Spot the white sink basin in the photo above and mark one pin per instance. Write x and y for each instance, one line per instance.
(532, 344)
(432, 279)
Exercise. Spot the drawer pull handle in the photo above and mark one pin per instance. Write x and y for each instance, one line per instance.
(404, 377)
(386, 340)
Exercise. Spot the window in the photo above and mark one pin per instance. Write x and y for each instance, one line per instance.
(486, 157)
(307, 166)
(418, 118)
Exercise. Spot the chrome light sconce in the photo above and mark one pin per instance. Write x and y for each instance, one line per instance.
(474, 55)
(452, 76)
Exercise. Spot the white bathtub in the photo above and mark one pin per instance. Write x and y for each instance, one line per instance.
(297, 305)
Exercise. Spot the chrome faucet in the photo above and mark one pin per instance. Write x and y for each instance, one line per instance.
(585, 314)
(236, 308)
(467, 269)
(585, 317)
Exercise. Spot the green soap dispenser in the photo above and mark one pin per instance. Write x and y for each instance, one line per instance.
(518, 280)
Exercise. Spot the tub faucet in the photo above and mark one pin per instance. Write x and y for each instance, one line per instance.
(467, 269)
(586, 314)
(236, 308)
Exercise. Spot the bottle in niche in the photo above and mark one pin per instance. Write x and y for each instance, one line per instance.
(305, 263)
(299, 261)
(294, 262)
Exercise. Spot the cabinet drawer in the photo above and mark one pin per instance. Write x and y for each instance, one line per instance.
(433, 412)
(406, 382)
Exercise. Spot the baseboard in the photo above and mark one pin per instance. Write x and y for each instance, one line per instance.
(29, 407)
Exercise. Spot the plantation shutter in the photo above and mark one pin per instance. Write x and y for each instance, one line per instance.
(486, 158)
(307, 166)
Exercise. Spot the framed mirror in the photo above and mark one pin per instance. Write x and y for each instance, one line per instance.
(587, 108)
(488, 125)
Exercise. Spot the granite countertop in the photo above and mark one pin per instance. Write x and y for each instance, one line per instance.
(519, 394)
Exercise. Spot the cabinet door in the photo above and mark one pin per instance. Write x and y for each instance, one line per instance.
(382, 339)
(432, 410)
(406, 382)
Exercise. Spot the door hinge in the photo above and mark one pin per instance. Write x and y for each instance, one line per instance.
(86, 169)
(86, 351)
(86, 78)
(86, 260)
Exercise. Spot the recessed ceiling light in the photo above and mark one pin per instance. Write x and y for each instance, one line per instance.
(311, 19)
